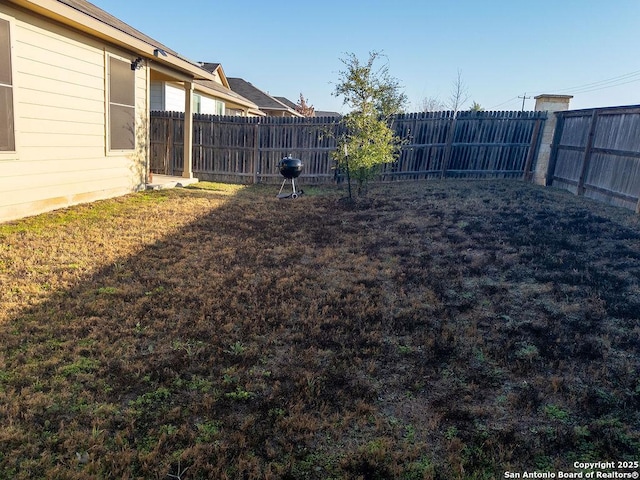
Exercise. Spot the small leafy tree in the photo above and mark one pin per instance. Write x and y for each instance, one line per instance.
(476, 107)
(368, 141)
(304, 108)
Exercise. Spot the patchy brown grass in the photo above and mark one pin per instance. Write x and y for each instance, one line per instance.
(434, 330)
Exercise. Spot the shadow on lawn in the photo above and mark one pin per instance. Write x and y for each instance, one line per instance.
(443, 331)
(190, 352)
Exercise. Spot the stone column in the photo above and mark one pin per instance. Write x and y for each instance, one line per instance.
(550, 104)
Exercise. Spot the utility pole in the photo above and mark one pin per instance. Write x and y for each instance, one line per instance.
(523, 97)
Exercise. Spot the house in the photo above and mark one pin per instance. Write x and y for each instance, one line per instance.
(268, 104)
(212, 97)
(75, 98)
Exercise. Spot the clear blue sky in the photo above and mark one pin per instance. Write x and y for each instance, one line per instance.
(503, 48)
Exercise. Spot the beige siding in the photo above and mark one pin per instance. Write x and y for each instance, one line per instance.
(61, 155)
(173, 98)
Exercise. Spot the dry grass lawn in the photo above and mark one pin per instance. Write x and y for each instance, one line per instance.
(433, 330)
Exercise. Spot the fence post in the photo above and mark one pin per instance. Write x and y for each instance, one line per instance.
(449, 145)
(553, 156)
(168, 156)
(549, 103)
(256, 151)
(586, 159)
(533, 147)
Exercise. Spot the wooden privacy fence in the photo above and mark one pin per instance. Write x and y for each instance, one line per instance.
(596, 153)
(435, 145)
(469, 144)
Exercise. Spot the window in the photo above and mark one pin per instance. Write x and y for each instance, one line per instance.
(197, 103)
(219, 107)
(122, 107)
(7, 134)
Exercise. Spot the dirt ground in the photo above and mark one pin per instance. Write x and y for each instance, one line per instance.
(430, 330)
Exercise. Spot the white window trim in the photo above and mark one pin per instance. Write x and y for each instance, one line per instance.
(12, 154)
(109, 152)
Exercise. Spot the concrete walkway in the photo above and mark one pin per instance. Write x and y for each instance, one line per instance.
(166, 181)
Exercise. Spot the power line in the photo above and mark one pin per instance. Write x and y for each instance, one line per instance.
(600, 84)
(612, 82)
(504, 103)
(585, 90)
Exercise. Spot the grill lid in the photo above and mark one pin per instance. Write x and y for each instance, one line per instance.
(290, 167)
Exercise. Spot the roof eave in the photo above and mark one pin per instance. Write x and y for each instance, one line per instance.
(236, 99)
(223, 76)
(77, 20)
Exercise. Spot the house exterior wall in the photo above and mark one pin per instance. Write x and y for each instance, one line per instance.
(173, 98)
(217, 78)
(62, 156)
(169, 97)
(156, 96)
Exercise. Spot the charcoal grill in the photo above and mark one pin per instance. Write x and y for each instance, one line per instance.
(290, 169)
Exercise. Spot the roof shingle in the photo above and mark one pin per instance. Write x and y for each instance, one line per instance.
(257, 96)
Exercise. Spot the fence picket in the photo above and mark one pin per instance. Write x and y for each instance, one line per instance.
(596, 153)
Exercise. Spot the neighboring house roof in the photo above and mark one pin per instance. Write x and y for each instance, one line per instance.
(323, 113)
(222, 87)
(230, 95)
(227, 92)
(316, 113)
(287, 102)
(216, 69)
(86, 17)
(265, 101)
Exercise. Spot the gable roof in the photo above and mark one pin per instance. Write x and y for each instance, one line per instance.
(216, 69)
(257, 96)
(210, 66)
(89, 19)
(108, 19)
(287, 102)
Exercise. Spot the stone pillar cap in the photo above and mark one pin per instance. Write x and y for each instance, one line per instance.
(551, 95)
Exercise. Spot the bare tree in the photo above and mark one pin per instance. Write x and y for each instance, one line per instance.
(432, 104)
(459, 94)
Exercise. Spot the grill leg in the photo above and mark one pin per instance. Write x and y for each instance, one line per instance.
(282, 186)
(294, 192)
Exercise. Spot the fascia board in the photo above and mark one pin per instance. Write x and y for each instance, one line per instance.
(70, 17)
